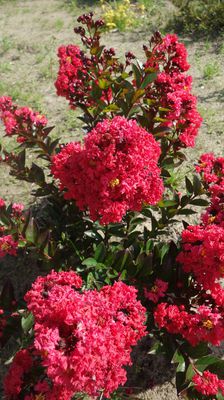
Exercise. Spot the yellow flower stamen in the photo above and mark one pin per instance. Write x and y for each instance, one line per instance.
(114, 182)
(221, 269)
(203, 252)
(40, 396)
(154, 289)
(208, 324)
(5, 246)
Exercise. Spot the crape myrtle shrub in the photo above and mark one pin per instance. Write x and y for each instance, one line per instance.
(111, 271)
(200, 16)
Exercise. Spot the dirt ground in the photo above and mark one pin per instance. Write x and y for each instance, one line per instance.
(30, 33)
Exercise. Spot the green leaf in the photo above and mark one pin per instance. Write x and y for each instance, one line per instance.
(189, 373)
(100, 252)
(148, 79)
(31, 232)
(164, 251)
(189, 185)
(199, 202)
(104, 84)
(197, 186)
(197, 351)
(204, 362)
(186, 211)
(218, 368)
(139, 93)
(184, 201)
(90, 280)
(90, 262)
(111, 108)
(177, 357)
(167, 203)
(36, 174)
(27, 323)
(137, 74)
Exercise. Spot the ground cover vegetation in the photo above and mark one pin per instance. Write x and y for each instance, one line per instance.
(112, 271)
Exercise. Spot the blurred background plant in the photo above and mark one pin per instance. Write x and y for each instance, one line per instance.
(199, 16)
(121, 15)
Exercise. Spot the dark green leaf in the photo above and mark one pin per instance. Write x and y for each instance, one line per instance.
(186, 211)
(204, 362)
(137, 74)
(148, 79)
(199, 202)
(197, 186)
(189, 185)
(100, 252)
(36, 174)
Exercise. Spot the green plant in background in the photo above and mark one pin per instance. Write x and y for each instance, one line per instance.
(121, 15)
(199, 16)
(211, 70)
(6, 43)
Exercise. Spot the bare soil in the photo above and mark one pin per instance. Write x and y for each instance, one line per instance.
(30, 33)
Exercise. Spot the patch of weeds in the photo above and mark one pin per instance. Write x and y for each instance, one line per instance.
(6, 44)
(73, 5)
(5, 67)
(26, 10)
(211, 70)
(58, 25)
(29, 97)
(209, 116)
(7, 1)
(44, 51)
(70, 127)
(207, 45)
(221, 48)
(48, 70)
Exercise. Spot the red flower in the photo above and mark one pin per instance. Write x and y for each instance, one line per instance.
(85, 339)
(157, 291)
(2, 203)
(115, 171)
(20, 121)
(207, 383)
(8, 246)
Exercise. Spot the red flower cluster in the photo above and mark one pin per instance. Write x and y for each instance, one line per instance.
(20, 121)
(115, 171)
(76, 76)
(202, 325)
(84, 339)
(73, 78)
(157, 291)
(208, 384)
(170, 93)
(17, 209)
(13, 381)
(26, 372)
(211, 169)
(203, 255)
(8, 246)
